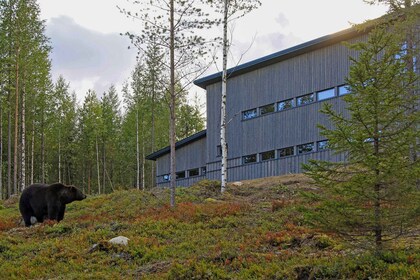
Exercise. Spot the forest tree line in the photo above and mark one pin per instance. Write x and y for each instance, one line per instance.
(99, 145)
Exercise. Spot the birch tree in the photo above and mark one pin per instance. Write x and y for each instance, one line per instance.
(174, 24)
(231, 10)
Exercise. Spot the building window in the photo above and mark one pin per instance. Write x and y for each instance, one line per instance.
(344, 89)
(305, 148)
(249, 114)
(322, 145)
(203, 170)
(180, 175)
(193, 172)
(326, 94)
(286, 104)
(219, 151)
(250, 158)
(268, 155)
(305, 99)
(166, 177)
(267, 109)
(285, 152)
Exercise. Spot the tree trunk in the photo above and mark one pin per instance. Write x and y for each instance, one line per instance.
(23, 144)
(32, 152)
(15, 148)
(137, 149)
(97, 166)
(103, 165)
(172, 135)
(143, 163)
(223, 143)
(59, 152)
(152, 184)
(9, 148)
(2, 192)
(42, 149)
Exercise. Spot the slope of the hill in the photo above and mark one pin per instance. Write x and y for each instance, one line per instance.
(256, 230)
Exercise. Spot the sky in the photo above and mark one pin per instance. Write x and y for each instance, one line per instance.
(89, 52)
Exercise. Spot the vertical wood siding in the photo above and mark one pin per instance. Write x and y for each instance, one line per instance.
(307, 73)
(188, 157)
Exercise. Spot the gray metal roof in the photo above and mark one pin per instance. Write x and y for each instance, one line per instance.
(178, 145)
(280, 56)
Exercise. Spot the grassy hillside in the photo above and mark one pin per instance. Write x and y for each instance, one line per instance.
(254, 231)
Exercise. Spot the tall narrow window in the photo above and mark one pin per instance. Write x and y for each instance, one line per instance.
(326, 94)
(305, 99)
(267, 109)
(286, 104)
(249, 114)
(305, 148)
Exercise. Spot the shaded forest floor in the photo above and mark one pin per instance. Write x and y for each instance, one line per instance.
(256, 230)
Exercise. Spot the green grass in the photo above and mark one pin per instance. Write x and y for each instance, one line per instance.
(206, 236)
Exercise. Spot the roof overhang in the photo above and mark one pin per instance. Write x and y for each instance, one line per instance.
(179, 144)
(280, 56)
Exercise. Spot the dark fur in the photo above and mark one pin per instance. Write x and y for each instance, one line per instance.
(47, 201)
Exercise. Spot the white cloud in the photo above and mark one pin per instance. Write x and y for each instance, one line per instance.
(88, 59)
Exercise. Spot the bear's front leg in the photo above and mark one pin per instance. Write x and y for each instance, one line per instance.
(53, 212)
(61, 213)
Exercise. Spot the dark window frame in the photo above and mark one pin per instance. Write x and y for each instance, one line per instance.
(288, 106)
(322, 147)
(304, 148)
(196, 172)
(273, 152)
(329, 90)
(246, 115)
(249, 159)
(299, 99)
(346, 90)
(181, 175)
(282, 155)
(272, 106)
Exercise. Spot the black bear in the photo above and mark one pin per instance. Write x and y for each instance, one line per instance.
(47, 201)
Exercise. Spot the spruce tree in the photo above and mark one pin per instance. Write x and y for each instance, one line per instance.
(372, 198)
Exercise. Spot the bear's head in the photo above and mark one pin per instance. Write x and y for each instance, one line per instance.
(76, 194)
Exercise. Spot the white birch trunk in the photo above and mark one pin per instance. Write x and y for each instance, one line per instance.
(223, 143)
(172, 137)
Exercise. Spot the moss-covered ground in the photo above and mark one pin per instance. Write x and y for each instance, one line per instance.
(253, 231)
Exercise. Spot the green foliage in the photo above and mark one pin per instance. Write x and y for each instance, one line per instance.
(372, 197)
(232, 236)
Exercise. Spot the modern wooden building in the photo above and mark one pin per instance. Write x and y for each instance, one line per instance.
(273, 106)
